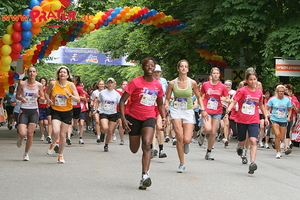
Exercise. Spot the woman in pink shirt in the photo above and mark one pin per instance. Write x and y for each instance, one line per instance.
(213, 92)
(144, 91)
(248, 99)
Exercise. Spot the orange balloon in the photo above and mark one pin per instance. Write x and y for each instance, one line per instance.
(37, 24)
(35, 30)
(39, 8)
(46, 6)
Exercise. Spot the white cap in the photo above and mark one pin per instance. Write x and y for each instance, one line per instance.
(111, 79)
(157, 68)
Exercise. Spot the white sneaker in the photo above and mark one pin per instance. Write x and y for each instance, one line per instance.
(26, 157)
(225, 142)
(267, 146)
(260, 144)
(278, 155)
(42, 138)
(19, 142)
(114, 137)
(181, 168)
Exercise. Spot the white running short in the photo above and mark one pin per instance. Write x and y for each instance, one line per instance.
(187, 116)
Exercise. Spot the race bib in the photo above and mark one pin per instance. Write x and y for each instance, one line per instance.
(60, 100)
(74, 103)
(180, 103)
(212, 103)
(280, 113)
(109, 105)
(30, 99)
(149, 97)
(248, 107)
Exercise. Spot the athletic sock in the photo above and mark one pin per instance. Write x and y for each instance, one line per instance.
(161, 147)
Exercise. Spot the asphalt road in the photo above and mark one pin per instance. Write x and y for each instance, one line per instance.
(91, 173)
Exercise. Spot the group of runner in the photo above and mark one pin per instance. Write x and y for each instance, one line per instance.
(147, 105)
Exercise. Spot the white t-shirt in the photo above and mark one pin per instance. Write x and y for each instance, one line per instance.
(109, 100)
(95, 95)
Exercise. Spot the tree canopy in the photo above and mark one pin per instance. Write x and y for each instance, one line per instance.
(246, 33)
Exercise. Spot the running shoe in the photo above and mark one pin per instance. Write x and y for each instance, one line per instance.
(56, 149)
(167, 139)
(186, 148)
(288, 151)
(267, 146)
(225, 142)
(252, 168)
(208, 156)
(220, 137)
(51, 149)
(114, 138)
(260, 144)
(106, 148)
(181, 168)
(10, 127)
(278, 155)
(81, 141)
(174, 140)
(26, 157)
(145, 182)
(49, 139)
(42, 138)
(201, 139)
(102, 136)
(61, 160)
(19, 142)
(68, 141)
(273, 145)
(121, 142)
(239, 151)
(98, 140)
(162, 154)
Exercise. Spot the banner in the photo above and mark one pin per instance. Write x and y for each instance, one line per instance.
(287, 67)
(84, 56)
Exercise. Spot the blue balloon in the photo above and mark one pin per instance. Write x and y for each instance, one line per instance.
(26, 11)
(44, 47)
(26, 35)
(26, 25)
(25, 43)
(105, 23)
(50, 38)
(109, 19)
(34, 3)
(46, 42)
(16, 76)
(113, 14)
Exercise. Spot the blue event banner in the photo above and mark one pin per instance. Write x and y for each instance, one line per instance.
(84, 56)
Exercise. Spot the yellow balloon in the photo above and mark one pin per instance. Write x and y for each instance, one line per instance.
(55, 5)
(6, 39)
(95, 20)
(131, 11)
(91, 26)
(6, 49)
(9, 29)
(5, 74)
(6, 60)
(5, 68)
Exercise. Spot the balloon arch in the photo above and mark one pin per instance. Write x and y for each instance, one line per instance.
(40, 12)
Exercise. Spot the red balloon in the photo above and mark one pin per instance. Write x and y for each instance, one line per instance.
(66, 3)
(16, 47)
(39, 47)
(17, 26)
(14, 56)
(104, 17)
(16, 37)
(63, 43)
(100, 21)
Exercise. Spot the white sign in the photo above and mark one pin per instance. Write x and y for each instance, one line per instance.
(287, 67)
